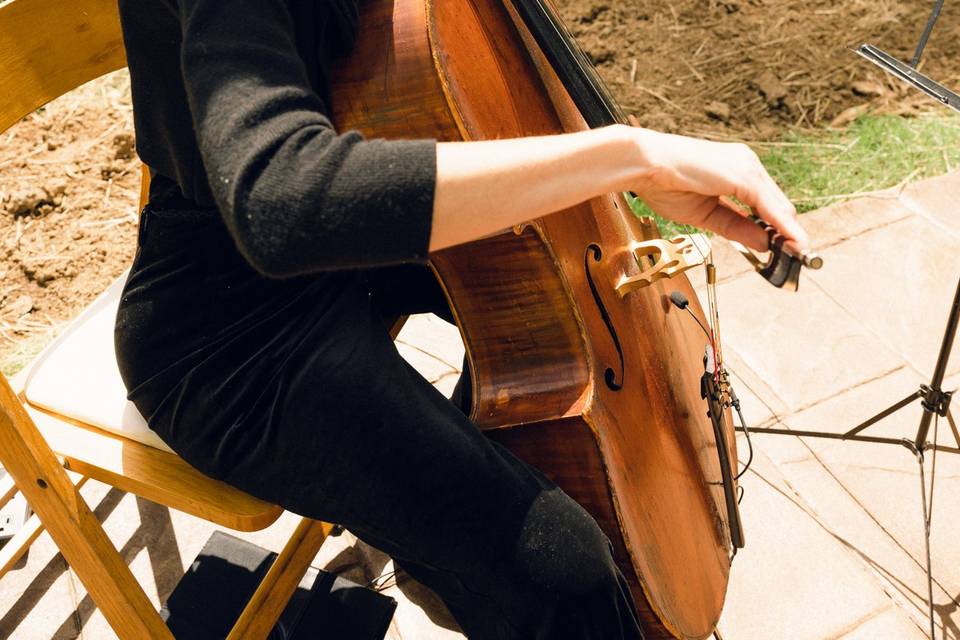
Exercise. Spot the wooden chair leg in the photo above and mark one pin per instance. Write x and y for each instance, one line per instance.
(267, 604)
(74, 529)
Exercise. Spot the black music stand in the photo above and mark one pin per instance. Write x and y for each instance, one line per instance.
(934, 401)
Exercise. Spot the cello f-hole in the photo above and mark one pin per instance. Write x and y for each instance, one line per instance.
(593, 254)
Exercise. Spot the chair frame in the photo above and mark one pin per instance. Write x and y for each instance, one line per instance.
(48, 48)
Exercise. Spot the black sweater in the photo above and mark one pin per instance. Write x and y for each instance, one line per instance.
(229, 102)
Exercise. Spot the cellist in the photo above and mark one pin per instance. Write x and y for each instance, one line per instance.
(250, 333)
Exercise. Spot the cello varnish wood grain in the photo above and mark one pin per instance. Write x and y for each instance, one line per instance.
(641, 459)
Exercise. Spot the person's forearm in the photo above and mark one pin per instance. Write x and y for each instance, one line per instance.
(485, 187)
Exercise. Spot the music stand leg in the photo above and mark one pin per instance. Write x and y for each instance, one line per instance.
(883, 414)
(926, 541)
(934, 402)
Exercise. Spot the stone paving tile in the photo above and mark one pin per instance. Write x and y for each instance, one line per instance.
(937, 198)
(148, 541)
(760, 403)
(803, 344)
(834, 224)
(434, 348)
(869, 494)
(899, 281)
(886, 624)
(432, 335)
(37, 601)
(793, 579)
(430, 367)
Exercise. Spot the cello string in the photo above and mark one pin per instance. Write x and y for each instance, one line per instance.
(713, 316)
(714, 321)
(551, 33)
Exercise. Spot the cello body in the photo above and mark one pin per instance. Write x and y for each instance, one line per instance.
(599, 391)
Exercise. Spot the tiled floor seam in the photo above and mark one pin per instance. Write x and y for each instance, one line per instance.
(854, 498)
(455, 367)
(780, 418)
(737, 372)
(859, 622)
(879, 376)
(882, 582)
(919, 210)
(893, 348)
(773, 414)
(795, 497)
(895, 597)
(861, 232)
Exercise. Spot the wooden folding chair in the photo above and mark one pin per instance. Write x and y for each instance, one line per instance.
(70, 412)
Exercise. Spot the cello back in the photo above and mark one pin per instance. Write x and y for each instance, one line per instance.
(598, 391)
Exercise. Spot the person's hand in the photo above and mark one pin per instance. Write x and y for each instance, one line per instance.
(687, 178)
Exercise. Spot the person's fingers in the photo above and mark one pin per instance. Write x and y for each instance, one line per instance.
(781, 213)
(727, 220)
(758, 191)
(712, 169)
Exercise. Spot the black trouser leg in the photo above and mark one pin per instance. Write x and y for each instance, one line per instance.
(293, 391)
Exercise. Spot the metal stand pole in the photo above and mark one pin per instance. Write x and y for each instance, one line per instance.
(935, 402)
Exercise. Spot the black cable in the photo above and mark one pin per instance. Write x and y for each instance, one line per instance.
(746, 431)
(694, 316)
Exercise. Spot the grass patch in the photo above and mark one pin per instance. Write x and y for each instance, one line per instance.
(818, 168)
(24, 351)
(874, 153)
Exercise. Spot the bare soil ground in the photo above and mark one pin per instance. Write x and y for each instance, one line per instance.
(745, 69)
(69, 186)
(749, 68)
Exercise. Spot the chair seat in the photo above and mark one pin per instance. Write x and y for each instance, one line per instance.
(76, 376)
(74, 393)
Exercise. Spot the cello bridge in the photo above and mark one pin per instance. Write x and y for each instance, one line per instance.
(659, 259)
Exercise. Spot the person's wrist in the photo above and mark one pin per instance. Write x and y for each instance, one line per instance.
(644, 157)
(621, 157)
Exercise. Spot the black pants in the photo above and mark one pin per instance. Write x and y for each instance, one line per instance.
(293, 391)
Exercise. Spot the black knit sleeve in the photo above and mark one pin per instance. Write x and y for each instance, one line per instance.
(296, 195)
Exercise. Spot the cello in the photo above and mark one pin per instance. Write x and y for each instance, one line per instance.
(580, 363)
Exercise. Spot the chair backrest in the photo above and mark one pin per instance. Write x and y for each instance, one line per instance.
(49, 47)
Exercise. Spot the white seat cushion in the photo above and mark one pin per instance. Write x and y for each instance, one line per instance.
(76, 376)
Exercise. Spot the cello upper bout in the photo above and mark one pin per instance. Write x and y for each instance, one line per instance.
(388, 86)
